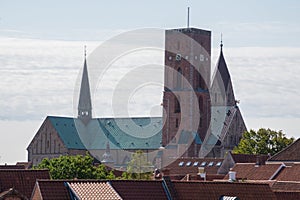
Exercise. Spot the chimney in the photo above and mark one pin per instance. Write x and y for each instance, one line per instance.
(232, 176)
(259, 161)
(202, 173)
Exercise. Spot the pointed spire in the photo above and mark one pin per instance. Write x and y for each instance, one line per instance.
(85, 103)
(222, 82)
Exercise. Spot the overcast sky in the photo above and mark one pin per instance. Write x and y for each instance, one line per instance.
(41, 55)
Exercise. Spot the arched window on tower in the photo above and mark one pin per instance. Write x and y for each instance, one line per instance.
(201, 82)
(201, 105)
(179, 78)
(201, 109)
(177, 105)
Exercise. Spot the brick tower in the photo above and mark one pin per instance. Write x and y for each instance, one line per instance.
(186, 100)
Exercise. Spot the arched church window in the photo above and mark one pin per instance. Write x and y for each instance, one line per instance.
(201, 83)
(201, 105)
(201, 122)
(177, 105)
(179, 78)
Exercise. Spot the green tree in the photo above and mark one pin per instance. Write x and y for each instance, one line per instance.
(264, 141)
(138, 167)
(70, 167)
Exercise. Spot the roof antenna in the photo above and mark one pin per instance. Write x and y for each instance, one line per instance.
(221, 45)
(188, 17)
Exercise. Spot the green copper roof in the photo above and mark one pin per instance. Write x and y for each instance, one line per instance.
(187, 137)
(123, 133)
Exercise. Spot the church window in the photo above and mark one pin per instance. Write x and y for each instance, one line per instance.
(201, 122)
(41, 146)
(54, 146)
(177, 123)
(216, 97)
(179, 78)
(177, 104)
(48, 144)
(201, 105)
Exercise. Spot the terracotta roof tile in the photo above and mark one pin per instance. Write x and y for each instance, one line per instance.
(287, 195)
(215, 190)
(286, 186)
(290, 153)
(52, 189)
(12, 166)
(249, 171)
(145, 190)
(247, 158)
(22, 180)
(12, 194)
(290, 173)
(94, 190)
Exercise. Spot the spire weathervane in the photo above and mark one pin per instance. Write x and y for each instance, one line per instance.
(221, 45)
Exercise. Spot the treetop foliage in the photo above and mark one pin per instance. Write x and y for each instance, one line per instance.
(264, 141)
(71, 167)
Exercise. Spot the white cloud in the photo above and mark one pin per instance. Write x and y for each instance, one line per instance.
(38, 79)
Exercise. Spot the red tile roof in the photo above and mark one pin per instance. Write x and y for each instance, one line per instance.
(247, 158)
(131, 189)
(12, 194)
(286, 186)
(188, 166)
(215, 190)
(249, 171)
(22, 180)
(51, 189)
(94, 190)
(290, 153)
(287, 195)
(290, 173)
(12, 166)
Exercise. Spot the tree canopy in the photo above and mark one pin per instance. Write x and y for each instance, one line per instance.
(70, 167)
(264, 141)
(138, 167)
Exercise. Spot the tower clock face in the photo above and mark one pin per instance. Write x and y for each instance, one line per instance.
(178, 57)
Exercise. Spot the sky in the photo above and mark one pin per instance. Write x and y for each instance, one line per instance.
(41, 55)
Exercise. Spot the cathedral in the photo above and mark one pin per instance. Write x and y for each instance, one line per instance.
(201, 117)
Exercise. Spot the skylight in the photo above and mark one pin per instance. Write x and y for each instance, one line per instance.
(203, 164)
(188, 163)
(195, 164)
(180, 164)
(210, 164)
(219, 164)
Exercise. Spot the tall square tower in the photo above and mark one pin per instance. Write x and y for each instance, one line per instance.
(186, 99)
